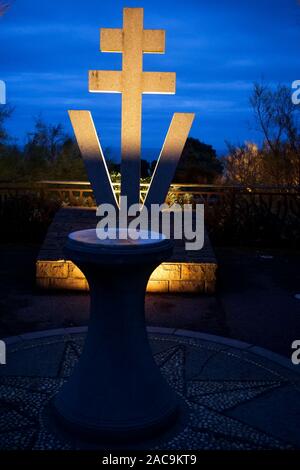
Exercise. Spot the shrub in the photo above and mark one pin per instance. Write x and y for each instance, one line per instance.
(26, 218)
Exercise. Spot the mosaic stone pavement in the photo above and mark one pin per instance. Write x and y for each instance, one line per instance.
(228, 393)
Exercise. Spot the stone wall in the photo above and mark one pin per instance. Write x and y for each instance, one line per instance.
(187, 271)
(168, 277)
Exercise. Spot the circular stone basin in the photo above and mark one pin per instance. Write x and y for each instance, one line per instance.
(98, 241)
(116, 238)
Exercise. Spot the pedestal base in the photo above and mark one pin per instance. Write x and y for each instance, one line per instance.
(116, 390)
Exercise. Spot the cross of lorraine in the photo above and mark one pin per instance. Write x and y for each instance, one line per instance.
(132, 41)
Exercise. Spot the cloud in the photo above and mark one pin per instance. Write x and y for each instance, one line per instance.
(214, 86)
(39, 82)
(45, 29)
(187, 104)
(242, 63)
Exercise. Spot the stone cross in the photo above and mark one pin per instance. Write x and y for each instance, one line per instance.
(132, 41)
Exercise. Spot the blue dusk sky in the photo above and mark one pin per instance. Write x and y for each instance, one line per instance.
(218, 48)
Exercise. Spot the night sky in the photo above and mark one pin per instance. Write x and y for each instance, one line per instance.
(218, 48)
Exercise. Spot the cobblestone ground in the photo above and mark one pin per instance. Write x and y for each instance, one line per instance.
(236, 396)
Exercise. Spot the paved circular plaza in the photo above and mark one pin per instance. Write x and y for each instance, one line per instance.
(234, 395)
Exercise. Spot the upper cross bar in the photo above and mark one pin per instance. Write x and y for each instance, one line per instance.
(111, 40)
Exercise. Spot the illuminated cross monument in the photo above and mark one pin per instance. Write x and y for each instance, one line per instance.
(132, 41)
(116, 389)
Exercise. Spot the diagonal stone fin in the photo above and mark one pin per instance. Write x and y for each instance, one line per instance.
(170, 154)
(93, 157)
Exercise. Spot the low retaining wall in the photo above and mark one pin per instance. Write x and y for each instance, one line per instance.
(186, 272)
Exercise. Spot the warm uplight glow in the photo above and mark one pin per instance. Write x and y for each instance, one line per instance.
(179, 277)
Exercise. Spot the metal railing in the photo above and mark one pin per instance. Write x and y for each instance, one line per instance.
(80, 192)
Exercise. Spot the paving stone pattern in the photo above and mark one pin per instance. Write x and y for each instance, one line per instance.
(233, 398)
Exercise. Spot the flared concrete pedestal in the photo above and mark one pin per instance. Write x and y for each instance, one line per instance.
(116, 390)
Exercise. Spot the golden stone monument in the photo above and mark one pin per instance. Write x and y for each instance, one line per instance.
(116, 390)
(132, 41)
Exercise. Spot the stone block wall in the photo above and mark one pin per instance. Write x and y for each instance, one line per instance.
(168, 277)
(186, 272)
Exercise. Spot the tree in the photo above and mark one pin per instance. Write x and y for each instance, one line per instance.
(277, 160)
(68, 165)
(43, 148)
(45, 141)
(145, 168)
(198, 163)
(244, 164)
(152, 166)
(5, 112)
(277, 118)
(11, 158)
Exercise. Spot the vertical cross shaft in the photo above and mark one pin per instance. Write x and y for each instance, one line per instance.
(132, 61)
